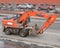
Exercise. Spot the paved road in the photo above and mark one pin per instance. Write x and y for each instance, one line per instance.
(10, 44)
(50, 37)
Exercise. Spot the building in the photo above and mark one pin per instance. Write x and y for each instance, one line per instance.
(56, 2)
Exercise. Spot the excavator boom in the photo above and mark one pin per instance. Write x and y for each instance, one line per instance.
(49, 21)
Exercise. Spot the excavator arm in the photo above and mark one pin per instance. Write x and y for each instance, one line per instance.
(49, 21)
(46, 24)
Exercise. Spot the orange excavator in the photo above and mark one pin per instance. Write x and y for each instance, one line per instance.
(20, 23)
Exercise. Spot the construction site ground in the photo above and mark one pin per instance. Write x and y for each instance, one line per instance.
(49, 39)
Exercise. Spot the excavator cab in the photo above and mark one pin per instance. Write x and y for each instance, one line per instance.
(12, 16)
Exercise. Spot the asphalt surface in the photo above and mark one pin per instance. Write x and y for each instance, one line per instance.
(10, 44)
(50, 37)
